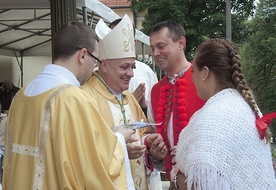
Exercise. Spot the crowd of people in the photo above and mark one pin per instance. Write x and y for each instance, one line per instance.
(72, 126)
(7, 92)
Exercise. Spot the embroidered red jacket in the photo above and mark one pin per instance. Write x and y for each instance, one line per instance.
(181, 99)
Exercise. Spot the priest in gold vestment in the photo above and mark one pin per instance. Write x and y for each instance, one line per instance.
(108, 86)
(55, 137)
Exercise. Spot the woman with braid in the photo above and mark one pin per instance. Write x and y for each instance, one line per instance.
(226, 143)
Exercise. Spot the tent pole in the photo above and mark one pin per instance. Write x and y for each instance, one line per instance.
(228, 20)
(20, 65)
(84, 15)
(21, 68)
(62, 11)
(143, 52)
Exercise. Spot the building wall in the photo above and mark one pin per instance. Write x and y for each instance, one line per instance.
(30, 72)
(6, 68)
(122, 11)
(136, 19)
(140, 17)
(32, 66)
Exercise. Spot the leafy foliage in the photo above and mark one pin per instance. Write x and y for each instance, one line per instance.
(201, 19)
(259, 57)
(206, 19)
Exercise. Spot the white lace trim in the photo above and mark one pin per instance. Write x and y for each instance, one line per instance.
(25, 150)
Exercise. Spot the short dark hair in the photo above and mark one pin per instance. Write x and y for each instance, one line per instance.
(115, 22)
(175, 30)
(73, 35)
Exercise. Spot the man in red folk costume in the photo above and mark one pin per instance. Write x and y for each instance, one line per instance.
(174, 98)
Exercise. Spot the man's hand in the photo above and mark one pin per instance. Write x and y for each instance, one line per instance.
(125, 132)
(158, 149)
(139, 95)
(135, 150)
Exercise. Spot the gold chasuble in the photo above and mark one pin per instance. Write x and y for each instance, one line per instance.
(111, 111)
(60, 149)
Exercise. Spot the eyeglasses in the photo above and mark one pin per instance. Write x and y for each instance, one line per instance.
(96, 60)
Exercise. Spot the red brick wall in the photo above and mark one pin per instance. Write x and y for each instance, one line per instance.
(116, 3)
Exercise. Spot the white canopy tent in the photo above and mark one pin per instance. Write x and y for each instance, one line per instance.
(25, 27)
(109, 15)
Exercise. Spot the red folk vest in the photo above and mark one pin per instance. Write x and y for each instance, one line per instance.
(180, 99)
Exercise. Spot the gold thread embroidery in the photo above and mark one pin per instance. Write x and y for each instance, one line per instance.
(129, 42)
(38, 152)
(8, 152)
(43, 134)
(138, 174)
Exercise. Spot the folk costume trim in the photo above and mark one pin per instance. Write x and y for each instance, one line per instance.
(172, 99)
(173, 79)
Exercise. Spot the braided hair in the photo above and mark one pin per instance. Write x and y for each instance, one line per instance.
(222, 58)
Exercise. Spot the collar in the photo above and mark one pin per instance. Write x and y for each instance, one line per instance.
(173, 79)
(118, 95)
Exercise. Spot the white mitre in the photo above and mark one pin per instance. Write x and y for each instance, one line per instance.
(118, 42)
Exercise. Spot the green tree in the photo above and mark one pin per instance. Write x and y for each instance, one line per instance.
(259, 57)
(201, 19)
